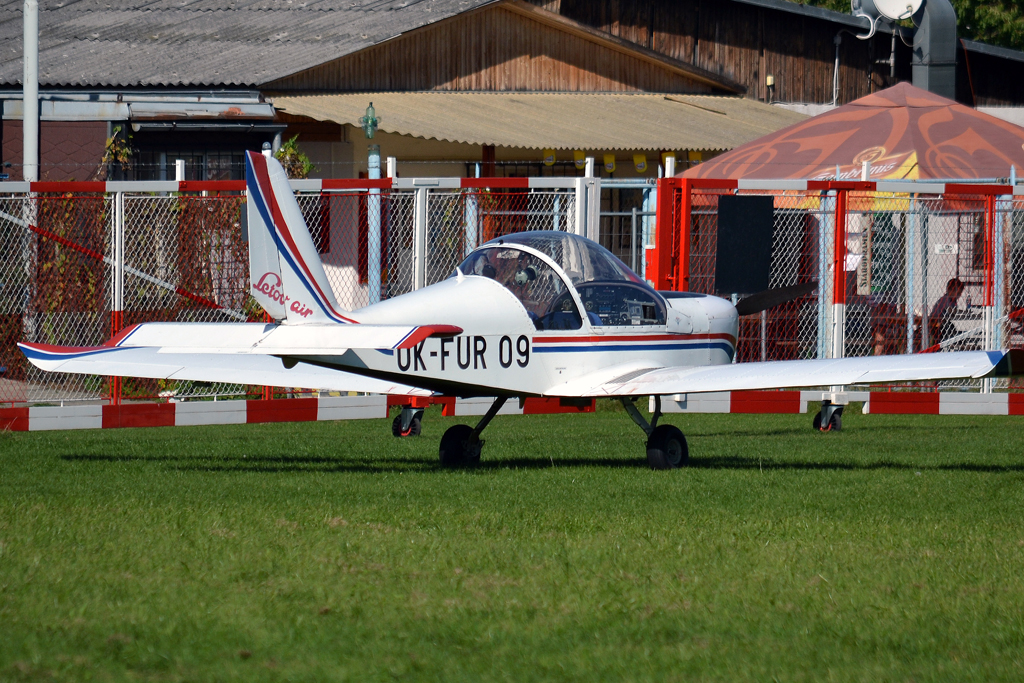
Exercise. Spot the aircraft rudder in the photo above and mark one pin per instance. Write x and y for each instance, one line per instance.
(286, 275)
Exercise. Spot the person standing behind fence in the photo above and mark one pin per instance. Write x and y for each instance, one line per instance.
(940, 321)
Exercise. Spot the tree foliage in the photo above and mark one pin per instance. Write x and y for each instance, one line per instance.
(295, 163)
(996, 22)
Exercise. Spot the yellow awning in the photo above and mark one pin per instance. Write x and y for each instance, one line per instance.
(609, 121)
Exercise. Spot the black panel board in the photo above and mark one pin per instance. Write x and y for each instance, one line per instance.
(744, 254)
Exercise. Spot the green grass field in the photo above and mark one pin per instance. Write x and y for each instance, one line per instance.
(893, 550)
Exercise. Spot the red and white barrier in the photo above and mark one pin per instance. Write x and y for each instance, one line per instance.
(191, 413)
(875, 402)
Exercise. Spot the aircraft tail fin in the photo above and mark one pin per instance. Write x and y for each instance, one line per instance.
(285, 273)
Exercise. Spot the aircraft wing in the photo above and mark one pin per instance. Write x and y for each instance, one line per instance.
(644, 381)
(237, 353)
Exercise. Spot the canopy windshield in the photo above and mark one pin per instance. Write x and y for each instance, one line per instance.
(611, 293)
(581, 259)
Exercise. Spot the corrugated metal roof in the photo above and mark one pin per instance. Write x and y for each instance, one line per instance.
(595, 121)
(203, 42)
(795, 7)
(994, 50)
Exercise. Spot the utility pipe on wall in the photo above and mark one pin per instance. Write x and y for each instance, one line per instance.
(933, 64)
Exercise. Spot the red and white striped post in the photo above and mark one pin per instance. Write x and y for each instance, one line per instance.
(117, 286)
(990, 278)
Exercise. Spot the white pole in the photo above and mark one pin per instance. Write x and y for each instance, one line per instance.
(580, 219)
(472, 220)
(392, 167)
(419, 239)
(118, 265)
(30, 92)
(593, 188)
(911, 256)
(179, 170)
(373, 235)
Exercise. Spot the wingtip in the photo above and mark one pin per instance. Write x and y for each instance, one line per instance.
(425, 331)
(1010, 365)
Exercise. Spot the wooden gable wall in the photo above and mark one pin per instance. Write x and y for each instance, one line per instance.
(746, 43)
(493, 49)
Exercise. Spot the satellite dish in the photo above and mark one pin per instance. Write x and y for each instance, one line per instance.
(887, 10)
(893, 10)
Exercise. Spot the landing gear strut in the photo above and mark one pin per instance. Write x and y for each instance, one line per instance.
(461, 444)
(666, 445)
(408, 423)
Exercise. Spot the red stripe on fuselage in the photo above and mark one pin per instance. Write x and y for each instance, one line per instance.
(633, 338)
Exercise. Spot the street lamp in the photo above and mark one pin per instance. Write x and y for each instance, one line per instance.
(370, 122)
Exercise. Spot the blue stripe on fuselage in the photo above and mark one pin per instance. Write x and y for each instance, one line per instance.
(634, 347)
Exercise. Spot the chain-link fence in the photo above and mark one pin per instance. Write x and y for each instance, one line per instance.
(801, 240)
(183, 260)
(77, 268)
(921, 271)
(55, 270)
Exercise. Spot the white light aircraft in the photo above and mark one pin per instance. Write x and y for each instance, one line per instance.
(546, 314)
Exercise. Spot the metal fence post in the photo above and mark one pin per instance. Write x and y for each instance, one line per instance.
(647, 223)
(471, 219)
(28, 254)
(827, 207)
(839, 277)
(594, 209)
(922, 222)
(580, 227)
(373, 244)
(1004, 213)
(419, 239)
(911, 248)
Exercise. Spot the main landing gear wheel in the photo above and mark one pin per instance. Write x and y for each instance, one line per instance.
(461, 444)
(458, 449)
(667, 448)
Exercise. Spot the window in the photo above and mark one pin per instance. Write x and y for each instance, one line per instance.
(538, 287)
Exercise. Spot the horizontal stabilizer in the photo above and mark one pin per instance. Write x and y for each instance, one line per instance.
(238, 353)
(277, 340)
(148, 362)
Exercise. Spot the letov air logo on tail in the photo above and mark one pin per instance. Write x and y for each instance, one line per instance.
(273, 288)
(271, 285)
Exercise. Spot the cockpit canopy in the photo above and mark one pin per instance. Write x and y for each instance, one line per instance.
(610, 292)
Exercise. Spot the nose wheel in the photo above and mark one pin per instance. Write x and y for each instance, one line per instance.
(408, 423)
(829, 418)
